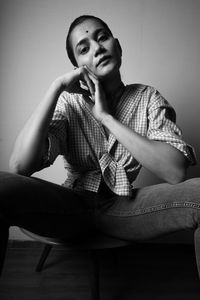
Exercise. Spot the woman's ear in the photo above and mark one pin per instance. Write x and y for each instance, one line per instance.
(118, 46)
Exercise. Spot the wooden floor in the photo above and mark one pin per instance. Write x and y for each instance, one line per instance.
(157, 272)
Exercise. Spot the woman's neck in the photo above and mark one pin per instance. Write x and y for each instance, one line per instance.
(113, 89)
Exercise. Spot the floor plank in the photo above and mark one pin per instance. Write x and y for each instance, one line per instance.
(146, 271)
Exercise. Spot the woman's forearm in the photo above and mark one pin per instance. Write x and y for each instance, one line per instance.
(30, 143)
(32, 140)
(160, 158)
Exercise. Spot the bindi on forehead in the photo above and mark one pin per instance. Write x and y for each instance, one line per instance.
(88, 25)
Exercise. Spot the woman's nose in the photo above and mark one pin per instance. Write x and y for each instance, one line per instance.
(98, 48)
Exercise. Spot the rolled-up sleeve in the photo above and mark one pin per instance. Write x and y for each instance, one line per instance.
(56, 134)
(162, 126)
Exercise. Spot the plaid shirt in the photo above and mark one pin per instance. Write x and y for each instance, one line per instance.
(89, 155)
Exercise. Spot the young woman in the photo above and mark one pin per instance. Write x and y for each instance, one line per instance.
(105, 131)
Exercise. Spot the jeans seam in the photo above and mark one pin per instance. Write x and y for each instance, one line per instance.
(153, 209)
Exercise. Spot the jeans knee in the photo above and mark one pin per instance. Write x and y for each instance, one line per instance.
(194, 182)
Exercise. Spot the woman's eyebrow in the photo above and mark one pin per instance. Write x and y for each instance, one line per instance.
(83, 41)
(95, 33)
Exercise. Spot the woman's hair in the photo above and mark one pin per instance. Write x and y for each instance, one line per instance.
(75, 23)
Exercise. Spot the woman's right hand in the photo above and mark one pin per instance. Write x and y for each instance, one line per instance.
(77, 81)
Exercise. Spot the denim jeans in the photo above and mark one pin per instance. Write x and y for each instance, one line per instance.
(52, 210)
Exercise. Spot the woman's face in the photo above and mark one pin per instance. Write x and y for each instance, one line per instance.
(96, 48)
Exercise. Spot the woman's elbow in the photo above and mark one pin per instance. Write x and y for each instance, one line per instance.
(18, 168)
(178, 170)
(177, 176)
(13, 165)
(176, 179)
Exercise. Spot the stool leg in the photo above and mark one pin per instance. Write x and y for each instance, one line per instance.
(94, 275)
(197, 248)
(4, 232)
(45, 253)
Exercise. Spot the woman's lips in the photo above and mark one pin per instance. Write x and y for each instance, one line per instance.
(103, 59)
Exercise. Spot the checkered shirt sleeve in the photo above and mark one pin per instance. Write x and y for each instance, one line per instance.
(57, 135)
(162, 126)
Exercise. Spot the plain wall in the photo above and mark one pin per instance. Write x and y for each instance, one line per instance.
(161, 47)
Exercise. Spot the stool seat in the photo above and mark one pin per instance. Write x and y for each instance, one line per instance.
(93, 243)
(98, 241)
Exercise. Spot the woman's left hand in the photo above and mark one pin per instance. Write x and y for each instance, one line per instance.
(100, 107)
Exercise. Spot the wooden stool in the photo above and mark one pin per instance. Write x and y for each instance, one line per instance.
(93, 243)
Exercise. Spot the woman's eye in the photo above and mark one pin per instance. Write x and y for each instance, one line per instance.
(103, 38)
(84, 50)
